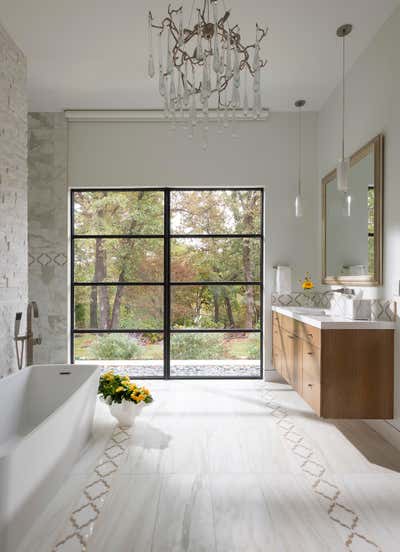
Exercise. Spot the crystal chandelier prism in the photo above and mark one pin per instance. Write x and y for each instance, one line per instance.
(203, 65)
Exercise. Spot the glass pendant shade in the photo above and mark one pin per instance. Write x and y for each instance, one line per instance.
(347, 205)
(298, 206)
(343, 168)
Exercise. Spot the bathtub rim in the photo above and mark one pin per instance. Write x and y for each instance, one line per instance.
(8, 450)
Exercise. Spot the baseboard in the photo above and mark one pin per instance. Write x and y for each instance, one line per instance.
(387, 430)
(272, 375)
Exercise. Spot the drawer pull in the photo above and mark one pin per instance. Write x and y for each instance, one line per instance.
(310, 353)
(310, 385)
(310, 335)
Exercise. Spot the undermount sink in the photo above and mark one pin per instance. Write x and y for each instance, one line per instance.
(309, 310)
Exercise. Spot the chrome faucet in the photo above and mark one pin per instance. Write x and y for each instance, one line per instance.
(31, 312)
(344, 291)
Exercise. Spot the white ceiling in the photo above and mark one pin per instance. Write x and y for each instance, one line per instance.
(92, 53)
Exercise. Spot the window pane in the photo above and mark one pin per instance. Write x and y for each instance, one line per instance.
(213, 259)
(119, 260)
(134, 354)
(115, 212)
(215, 355)
(215, 307)
(216, 212)
(118, 307)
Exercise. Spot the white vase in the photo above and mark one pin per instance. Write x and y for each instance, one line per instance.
(126, 412)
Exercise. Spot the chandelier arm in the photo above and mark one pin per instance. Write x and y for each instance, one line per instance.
(208, 30)
(172, 11)
(203, 11)
(261, 30)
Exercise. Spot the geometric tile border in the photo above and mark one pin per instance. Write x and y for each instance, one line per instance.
(79, 528)
(313, 468)
(46, 259)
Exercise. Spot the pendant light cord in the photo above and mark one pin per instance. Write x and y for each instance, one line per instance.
(343, 92)
(300, 153)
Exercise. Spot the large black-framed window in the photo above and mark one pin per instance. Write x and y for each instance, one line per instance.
(169, 278)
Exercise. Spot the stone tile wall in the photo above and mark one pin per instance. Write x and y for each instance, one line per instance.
(13, 195)
(48, 232)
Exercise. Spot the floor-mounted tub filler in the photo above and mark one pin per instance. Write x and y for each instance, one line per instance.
(46, 416)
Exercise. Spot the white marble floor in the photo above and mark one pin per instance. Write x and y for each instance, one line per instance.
(230, 466)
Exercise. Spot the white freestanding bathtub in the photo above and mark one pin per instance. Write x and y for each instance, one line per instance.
(46, 416)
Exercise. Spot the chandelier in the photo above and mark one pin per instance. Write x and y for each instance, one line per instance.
(204, 65)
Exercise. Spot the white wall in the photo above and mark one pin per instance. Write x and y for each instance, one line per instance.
(123, 154)
(373, 106)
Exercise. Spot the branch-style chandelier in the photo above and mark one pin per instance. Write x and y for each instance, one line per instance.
(200, 65)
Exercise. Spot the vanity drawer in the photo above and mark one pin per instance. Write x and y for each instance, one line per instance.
(285, 323)
(309, 333)
(312, 377)
(311, 363)
(312, 394)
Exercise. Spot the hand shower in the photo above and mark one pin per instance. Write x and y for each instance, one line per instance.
(31, 313)
(19, 339)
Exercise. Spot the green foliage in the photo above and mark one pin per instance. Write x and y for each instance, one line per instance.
(253, 350)
(197, 346)
(114, 347)
(115, 388)
(80, 314)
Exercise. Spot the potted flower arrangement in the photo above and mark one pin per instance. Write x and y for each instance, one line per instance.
(124, 398)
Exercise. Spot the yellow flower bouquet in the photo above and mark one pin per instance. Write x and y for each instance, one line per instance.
(115, 388)
(307, 283)
(124, 398)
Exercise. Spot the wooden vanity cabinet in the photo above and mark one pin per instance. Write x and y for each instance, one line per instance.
(339, 373)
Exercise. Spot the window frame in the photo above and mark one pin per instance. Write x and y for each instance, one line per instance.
(167, 331)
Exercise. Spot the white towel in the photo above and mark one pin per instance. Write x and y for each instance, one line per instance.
(283, 279)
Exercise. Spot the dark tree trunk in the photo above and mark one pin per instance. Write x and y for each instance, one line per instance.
(100, 274)
(229, 312)
(117, 303)
(93, 307)
(249, 293)
(216, 308)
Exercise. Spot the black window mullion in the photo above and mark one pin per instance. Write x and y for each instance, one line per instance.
(105, 283)
(118, 236)
(222, 283)
(167, 289)
(72, 279)
(262, 287)
(201, 236)
(115, 330)
(214, 330)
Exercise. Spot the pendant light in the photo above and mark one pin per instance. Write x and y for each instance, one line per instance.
(347, 204)
(299, 200)
(344, 163)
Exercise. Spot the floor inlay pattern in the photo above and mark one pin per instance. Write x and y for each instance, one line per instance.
(77, 531)
(315, 471)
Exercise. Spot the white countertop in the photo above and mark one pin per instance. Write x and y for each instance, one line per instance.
(326, 322)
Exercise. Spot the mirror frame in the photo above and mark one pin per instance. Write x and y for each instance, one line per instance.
(376, 279)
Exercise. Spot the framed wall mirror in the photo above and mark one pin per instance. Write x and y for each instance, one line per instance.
(353, 221)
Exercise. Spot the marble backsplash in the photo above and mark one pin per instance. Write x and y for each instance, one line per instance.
(381, 309)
